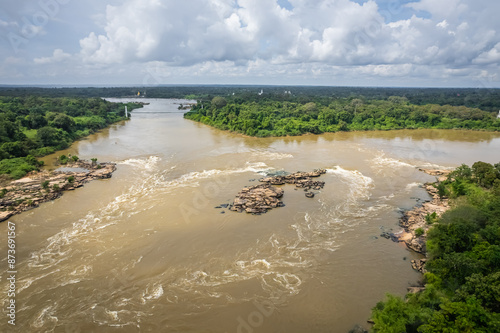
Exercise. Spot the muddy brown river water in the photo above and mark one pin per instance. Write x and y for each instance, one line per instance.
(146, 251)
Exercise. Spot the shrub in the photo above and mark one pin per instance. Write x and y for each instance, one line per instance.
(63, 159)
(431, 218)
(45, 184)
(419, 232)
(71, 179)
(74, 158)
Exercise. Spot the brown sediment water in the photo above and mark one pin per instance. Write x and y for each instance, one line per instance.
(146, 251)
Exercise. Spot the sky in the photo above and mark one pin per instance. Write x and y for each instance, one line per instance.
(408, 43)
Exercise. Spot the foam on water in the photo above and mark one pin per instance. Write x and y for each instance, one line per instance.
(44, 317)
(387, 162)
(58, 248)
(190, 179)
(271, 156)
(435, 166)
(413, 185)
(148, 164)
(280, 263)
(359, 184)
(152, 292)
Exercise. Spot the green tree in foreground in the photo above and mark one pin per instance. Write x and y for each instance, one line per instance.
(463, 280)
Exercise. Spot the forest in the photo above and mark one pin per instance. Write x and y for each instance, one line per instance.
(481, 98)
(462, 283)
(267, 117)
(34, 126)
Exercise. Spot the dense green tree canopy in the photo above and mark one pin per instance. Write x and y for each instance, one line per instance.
(463, 280)
(274, 117)
(36, 126)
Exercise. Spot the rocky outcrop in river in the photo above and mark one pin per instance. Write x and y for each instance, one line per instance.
(299, 179)
(258, 199)
(30, 191)
(261, 198)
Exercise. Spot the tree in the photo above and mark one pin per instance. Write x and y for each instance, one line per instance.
(310, 107)
(50, 136)
(462, 172)
(219, 102)
(485, 174)
(64, 122)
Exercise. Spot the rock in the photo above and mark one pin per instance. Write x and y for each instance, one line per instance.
(261, 198)
(419, 265)
(258, 199)
(390, 235)
(299, 179)
(417, 245)
(415, 290)
(358, 329)
(5, 215)
(28, 192)
(441, 174)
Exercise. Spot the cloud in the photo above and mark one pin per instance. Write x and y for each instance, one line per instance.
(336, 32)
(491, 56)
(57, 56)
(291, 39)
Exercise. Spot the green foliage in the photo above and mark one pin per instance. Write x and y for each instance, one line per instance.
(63, 159)
(442, 191)
(431, 218)
(38, 126)
(71, 179)
(74, 158)
(255, 115)
(485, 174)
(45, 184)
(463, 280)
(56, 188)
(3, 192)
(18, 167)
(463, 172)
(419, 232)
(219, 102)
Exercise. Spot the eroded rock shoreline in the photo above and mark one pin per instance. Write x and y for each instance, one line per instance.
(38, 187)
(417, 221)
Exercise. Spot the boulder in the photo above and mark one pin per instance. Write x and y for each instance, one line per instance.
(419, 265)
(258, 199)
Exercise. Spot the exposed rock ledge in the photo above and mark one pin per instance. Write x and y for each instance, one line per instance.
(417, 219)
(261, 198)
(38, 187)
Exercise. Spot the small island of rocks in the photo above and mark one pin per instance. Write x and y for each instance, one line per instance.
(261, 198)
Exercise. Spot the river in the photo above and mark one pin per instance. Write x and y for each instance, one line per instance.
(146, 251)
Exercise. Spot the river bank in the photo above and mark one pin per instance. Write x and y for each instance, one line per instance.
(42, 186)
(417, 221)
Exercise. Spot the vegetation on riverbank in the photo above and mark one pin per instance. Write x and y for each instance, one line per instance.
(33, 126)
(484, 99)
(280, 118)
(462, 283)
